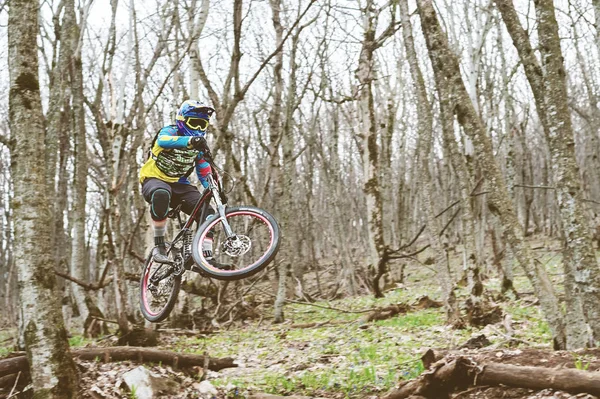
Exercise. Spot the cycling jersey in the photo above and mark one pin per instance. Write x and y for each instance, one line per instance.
(171, 159)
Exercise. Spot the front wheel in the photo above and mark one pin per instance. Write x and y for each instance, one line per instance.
(159, 287)
(243, 246)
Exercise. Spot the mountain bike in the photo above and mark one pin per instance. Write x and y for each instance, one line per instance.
(245, 239)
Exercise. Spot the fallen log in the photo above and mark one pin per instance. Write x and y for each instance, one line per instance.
(315, 324)
(436, 383)
(568, 380)
(386, 312)
(187, 333)
(11, 382)
(119, 353)
(269, 396)
(447, 375)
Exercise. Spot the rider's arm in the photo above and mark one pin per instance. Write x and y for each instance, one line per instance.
(168, 138)
(203, 169)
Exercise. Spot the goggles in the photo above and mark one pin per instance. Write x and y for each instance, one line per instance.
(196, 123)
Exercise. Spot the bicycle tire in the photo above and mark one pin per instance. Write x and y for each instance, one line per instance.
(260, 216)
(165, 311)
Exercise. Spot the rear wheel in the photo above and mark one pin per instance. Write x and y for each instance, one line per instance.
(248, 247)
(159, 288)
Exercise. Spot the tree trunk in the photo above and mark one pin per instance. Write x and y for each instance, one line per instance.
(365, 75)
(425, 128)
(447, 73)
(52, 368)
(196, 28)
(578, 252)
(277, 174)
(79, 261)
(582, 275)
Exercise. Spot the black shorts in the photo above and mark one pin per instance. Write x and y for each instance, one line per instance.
(185, 194)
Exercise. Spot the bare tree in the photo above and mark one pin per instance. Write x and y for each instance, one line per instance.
(447, 73)
(52, 368)
(549, 89)
(365, 74)
(425, 127)
(71, 33)
(279, 178)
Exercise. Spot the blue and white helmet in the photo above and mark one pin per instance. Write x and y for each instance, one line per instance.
(193, 117)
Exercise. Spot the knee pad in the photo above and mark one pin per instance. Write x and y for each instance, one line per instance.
(159, 205)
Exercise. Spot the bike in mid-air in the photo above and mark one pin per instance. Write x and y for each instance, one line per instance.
(244, 240)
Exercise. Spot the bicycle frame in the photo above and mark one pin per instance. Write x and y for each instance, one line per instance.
(201, 207)
(211, 192)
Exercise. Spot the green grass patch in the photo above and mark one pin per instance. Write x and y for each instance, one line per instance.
(417, 320)
(531, 325)
(6, 343)
(5, 350)
(78, 341)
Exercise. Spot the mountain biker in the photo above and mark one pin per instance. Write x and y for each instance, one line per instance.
(177, 150)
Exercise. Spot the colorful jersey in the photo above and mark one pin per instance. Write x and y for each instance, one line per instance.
(171, 159)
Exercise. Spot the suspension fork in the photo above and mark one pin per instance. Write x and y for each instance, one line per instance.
(220, 206)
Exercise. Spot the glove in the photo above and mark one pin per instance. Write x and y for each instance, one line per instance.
(199, 143)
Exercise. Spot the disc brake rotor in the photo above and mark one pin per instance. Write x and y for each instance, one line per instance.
(236, 245)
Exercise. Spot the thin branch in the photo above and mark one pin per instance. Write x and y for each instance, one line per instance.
(410, 243)
(411, 255)
(388, 32)
(540, 187)
(104, 272)
(450, 221)
(105, 320)
(320, 306)
(86, 286)
(18, 375)
(447, 208)
(243, 91)
(247, 291)
(214, 97)
(137, 256)
(136, 227)
(476, 186)
(158, 50)
(391, 29)
(294, 157)
(343, 100)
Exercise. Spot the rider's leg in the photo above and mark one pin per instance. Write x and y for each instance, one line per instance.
(158, 194)
(185, 194)
(188, 195)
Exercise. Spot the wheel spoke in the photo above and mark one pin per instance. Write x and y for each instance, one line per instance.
(158, 290)
(253, 244)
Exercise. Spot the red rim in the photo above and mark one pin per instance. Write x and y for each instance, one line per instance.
(144, 289)
(236, 213)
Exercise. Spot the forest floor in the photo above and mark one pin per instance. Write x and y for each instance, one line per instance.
(334, 349)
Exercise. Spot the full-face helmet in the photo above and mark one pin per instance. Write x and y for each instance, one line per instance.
(193, 117)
